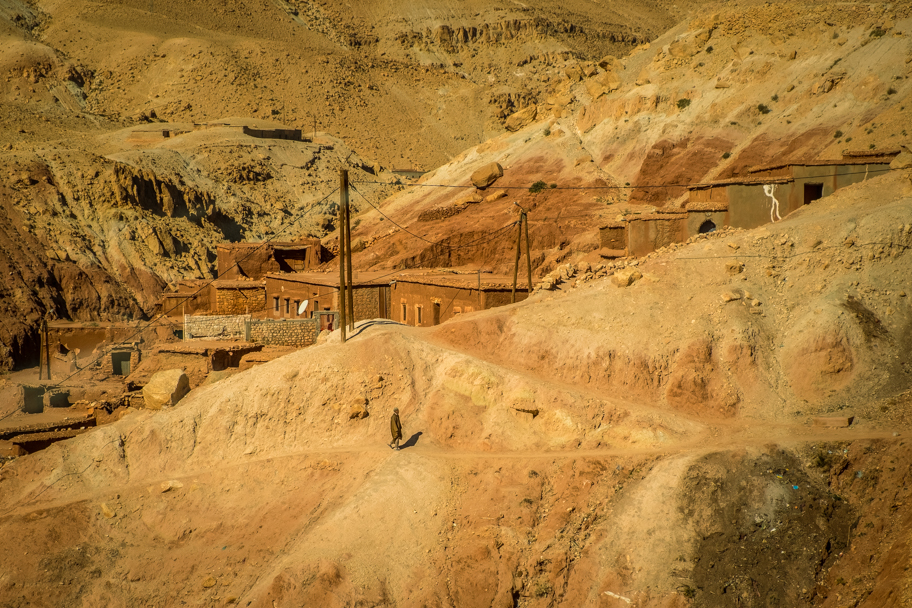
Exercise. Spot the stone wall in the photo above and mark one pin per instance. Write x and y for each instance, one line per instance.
(240, 301)
(367, 303)
(287, 332)
(215, 327)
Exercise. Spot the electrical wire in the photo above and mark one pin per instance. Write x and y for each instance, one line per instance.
(484, 239)
(624, 187)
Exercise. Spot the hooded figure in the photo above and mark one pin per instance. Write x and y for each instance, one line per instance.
(395, 429)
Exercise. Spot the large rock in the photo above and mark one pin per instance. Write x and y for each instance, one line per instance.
(520, 119)
(903, 161)
(166, 388)
(487, 175)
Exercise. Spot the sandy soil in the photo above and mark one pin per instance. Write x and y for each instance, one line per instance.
(672, 461)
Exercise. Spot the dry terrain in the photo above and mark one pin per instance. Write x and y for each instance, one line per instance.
(649, 445)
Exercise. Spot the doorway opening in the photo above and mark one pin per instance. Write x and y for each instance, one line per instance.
(707, 226)
(812, 192)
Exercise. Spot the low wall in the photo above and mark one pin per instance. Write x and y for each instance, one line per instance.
(215, 327)
(287, 332)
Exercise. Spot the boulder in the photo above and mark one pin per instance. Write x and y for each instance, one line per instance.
(626, 277)
(903, 161)
(487, 175)
(520, 119)
(497, 194)
(165, 388)
(358, 410)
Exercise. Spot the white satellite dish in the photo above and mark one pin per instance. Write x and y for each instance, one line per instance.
(303, 307)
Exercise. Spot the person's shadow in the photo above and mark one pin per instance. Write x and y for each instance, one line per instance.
(412, 441)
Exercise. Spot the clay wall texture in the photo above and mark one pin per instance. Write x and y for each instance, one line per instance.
(176, 305)
(408, 298)
(285, 293)
(613, 237)
(647, 235)
(255, 260)
(238, 300)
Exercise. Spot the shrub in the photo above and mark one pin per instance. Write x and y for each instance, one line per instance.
(709, 49)
(553, 186)
(877, 32)
(547, 132)
(891, 91)
(763, 109)
(683, 103)
(726, 155)
(837, 134)
(775, 97)
(537, 187)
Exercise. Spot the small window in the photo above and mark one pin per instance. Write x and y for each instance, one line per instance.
(404, 312)
(287, 305)
(316, 308)
(297, 305)
(707, 226)
(418, 316)
(275, 303)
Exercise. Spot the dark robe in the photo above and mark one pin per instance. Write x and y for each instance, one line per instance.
(395, 426)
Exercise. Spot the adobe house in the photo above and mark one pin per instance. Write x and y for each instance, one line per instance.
(769, 193)
(255, 260)
(190, 297)
(302, 295)
(425, 300)
(229, 297)
(637, 235)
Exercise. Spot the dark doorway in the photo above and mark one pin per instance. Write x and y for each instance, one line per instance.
(436, 313)
(707, 226)
(812, 192)
(384, 297)
(121, 363)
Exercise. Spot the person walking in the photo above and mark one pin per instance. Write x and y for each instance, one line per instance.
(395, 429)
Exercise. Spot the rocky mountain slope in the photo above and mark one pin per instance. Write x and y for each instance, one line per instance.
(710, 98)
(102, 214)
(648, 445)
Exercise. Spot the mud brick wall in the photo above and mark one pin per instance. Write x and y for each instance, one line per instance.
(367, 303)
(226, 327)
(232, 301)
(298, 332)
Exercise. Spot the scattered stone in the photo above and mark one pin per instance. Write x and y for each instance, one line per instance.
(487, 175)
(520, 119)
(165, 388)
(730, 296)
(626, 277)
(107, 511)
(167, 486)
(497, 194)
(209, 583)
(833, 421)
(358, 410)
(734, 268)
(734, 246)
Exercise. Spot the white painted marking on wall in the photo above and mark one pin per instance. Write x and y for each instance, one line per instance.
(770, 191)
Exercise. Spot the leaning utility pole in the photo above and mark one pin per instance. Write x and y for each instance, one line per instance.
(523, 220)
(343, 208)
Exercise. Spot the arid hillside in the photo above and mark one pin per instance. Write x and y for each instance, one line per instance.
(711, 98)
(119, 174)
(650, 445)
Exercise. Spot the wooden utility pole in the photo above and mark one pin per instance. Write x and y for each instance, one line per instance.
(525, 221)
(348, 264)
(45, 352)
(516, 263)
(343, 207)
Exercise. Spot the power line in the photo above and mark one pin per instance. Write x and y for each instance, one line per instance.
(483, 239)
(624, 187)
(157, 322)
